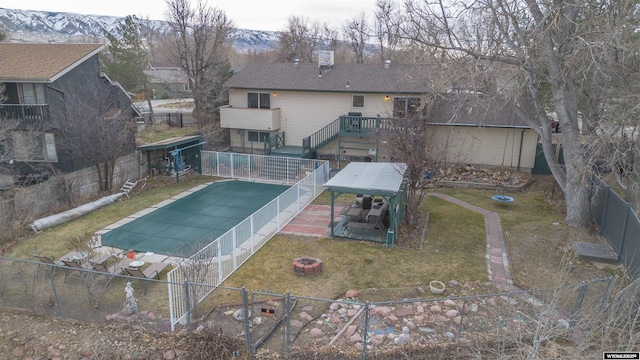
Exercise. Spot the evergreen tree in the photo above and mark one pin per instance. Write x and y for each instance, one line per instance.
(127, 58)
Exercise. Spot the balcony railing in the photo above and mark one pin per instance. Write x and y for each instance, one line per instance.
(363, 124)
(29, 114)
(253, 119)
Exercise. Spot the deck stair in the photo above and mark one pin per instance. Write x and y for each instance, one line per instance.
(129, 185)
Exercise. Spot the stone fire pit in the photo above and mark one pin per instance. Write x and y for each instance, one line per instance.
(306, 266)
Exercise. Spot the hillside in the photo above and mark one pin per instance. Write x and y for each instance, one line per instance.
(45, 26)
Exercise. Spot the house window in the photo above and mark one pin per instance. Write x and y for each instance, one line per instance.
(258, 136)
(32, 94)
(357, 101)
(34, 146)
(259, 101)
(406, 106)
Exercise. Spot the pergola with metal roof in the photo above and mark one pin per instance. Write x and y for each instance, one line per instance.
(375, 219)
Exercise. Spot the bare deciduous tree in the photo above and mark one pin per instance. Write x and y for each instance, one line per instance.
(199, 45)
(387, 29)
(299, 40)
(357, 33)
(409, 140)
(551, 44)
(97, 127)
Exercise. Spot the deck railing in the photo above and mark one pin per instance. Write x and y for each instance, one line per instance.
(344, 124)
(29, 114)
(320, 138)
(274, 142)
(216, 261)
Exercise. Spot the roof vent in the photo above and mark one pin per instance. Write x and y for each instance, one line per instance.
(296, 62)
(387, 64)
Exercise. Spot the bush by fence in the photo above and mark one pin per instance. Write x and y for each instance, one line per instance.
(297, 326)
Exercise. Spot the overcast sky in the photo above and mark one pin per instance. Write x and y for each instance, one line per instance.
(245, 14)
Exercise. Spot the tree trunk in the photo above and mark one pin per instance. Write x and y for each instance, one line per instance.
(148, 97)
(100, 177)
(577, 186)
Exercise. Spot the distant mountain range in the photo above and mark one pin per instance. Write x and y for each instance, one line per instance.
(46, 26)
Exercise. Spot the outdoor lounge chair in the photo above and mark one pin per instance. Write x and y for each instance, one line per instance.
(109, 272)
(151, 272)
(47, 267)
(115, 269)
(73, 265)
(83, 255)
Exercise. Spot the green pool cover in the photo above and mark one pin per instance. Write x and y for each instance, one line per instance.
(184, 226)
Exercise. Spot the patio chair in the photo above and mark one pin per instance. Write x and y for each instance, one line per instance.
(109, 272)
(47, 266)
(151, 272)
(115, 269)
(73, 265)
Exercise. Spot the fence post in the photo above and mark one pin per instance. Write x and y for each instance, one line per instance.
(55, 292)
(464, 305)
(187, 301)
(253, 234)
(365, 330)
(315, 181)
(231, 163)
(220, 275)
(574, 313)
(217, 163)
(287, 324)
(235, 246)
(247, 334)
(278, 212)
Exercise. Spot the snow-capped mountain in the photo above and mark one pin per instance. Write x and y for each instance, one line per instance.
(46, 26)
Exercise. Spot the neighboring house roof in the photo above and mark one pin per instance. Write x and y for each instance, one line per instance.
(478, 110)
(41, 63)
(367, 78)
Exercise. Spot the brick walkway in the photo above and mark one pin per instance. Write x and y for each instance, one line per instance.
(314, 221)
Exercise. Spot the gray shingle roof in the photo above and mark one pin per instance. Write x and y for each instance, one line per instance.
(468, 110)
(41, 62)
(369, 78)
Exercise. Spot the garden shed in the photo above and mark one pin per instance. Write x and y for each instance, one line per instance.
(379, 201)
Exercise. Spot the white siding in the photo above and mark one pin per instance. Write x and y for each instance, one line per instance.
(484, 146)
(303, 112)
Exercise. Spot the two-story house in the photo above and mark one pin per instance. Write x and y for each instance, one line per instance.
(335, 111)
(39, 80)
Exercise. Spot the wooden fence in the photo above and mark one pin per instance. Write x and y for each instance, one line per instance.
(22, 205)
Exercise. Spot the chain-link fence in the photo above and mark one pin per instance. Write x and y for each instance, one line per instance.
(299, 326)
(82, 294)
